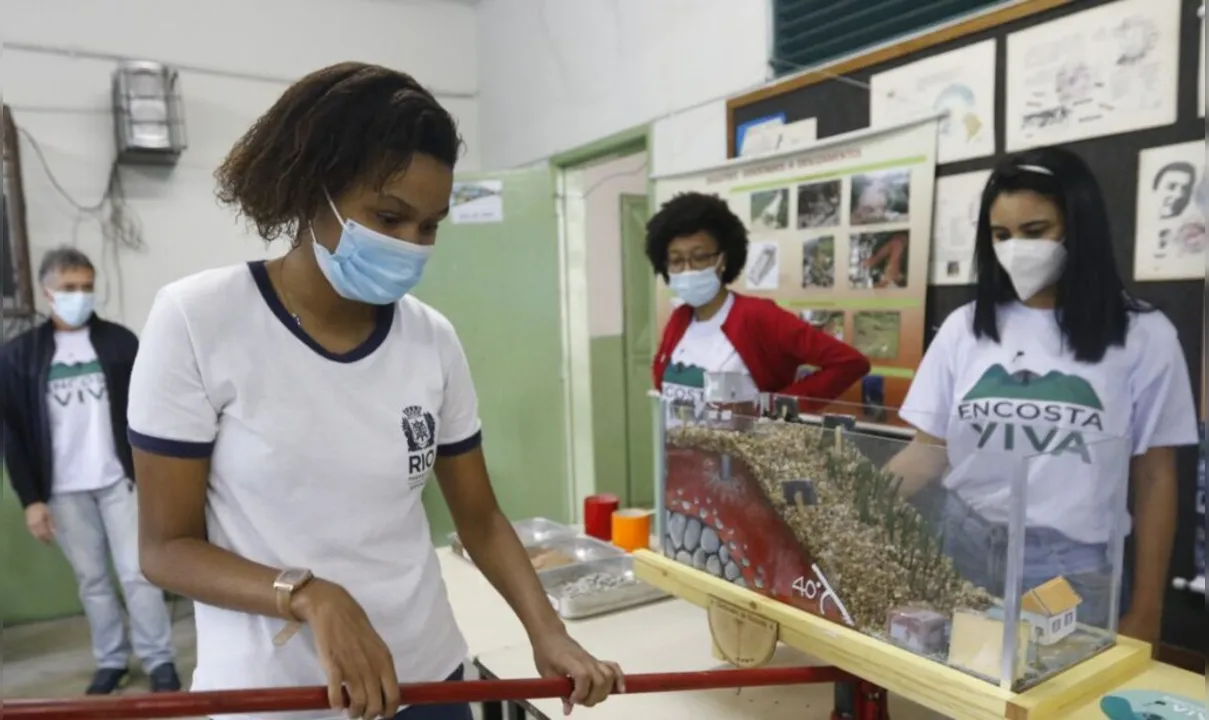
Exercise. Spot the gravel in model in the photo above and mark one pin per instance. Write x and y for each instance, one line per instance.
(875, 548)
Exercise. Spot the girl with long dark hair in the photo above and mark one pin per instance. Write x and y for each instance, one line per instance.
(1051, 367)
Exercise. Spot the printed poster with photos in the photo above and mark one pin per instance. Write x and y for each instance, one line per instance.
(840, 235)
(1170, 237)
(1108, 70)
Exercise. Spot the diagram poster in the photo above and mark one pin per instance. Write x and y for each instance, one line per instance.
(958, 201)
(1170, 236)
(840, 235)
(960, 83)
(1103, 71)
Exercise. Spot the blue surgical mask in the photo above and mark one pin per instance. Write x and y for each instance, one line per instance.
(368, 266)
(696, 287)
(74, 307)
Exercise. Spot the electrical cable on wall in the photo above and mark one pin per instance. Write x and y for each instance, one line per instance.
(119, 224)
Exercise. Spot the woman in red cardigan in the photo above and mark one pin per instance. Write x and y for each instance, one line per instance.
(698, 246)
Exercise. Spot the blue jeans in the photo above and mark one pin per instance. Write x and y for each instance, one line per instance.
(460, 711)
(978, 549)
(90, 528)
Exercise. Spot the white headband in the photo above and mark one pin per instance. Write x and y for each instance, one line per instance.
(1036, 169)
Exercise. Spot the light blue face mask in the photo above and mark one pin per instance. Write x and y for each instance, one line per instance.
(73, 308)
(695, 287)
(368, 266)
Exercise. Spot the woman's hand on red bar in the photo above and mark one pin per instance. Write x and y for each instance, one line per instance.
(352, 654)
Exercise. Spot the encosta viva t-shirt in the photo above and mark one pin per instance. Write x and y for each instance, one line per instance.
(317, 461)
(81, 429)
(704, 348)
(996, 404)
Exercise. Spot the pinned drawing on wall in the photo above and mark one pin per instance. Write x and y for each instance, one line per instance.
(776, 136)
(756, 129)
(959, 83)
(477, 201)
(958, 200)
(1103, 71)
(1170, 239)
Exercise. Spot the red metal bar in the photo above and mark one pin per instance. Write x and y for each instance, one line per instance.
(265, 700)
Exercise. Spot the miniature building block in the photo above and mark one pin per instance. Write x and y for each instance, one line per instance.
(1051, 609)
(919, 630)
(976, 644)
(729, 387)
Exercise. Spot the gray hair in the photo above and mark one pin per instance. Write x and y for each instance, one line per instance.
(60, 259)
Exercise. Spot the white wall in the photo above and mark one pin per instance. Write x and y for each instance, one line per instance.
(557, 74)
(602, 186)
(236, 58)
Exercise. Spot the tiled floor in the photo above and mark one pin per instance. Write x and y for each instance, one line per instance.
(52, 659)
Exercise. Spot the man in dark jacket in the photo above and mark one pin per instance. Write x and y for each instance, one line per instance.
(63, 391)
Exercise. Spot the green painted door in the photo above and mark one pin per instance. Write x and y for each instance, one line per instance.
(638, 294)
(499, 284)
(36, 582)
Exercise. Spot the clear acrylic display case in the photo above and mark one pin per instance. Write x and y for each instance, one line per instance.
(973, 566)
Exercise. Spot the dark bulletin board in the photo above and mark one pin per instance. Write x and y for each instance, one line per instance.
(842, 107)
(16, 282)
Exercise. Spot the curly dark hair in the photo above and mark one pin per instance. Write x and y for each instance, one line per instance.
(690, 213)
(346, 124)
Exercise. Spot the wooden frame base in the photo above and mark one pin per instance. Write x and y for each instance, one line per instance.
(922, 681)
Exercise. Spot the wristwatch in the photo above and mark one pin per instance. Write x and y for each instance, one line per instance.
(290, 581)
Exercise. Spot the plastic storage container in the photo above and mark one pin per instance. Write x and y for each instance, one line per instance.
(960, 559)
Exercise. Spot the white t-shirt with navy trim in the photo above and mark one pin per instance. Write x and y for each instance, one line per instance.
(1025, 402)
(317, 461)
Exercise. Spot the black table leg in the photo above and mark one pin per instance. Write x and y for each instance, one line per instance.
(493, 711)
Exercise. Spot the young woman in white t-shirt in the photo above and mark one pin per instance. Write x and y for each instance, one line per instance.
(286, 416)
(1055, 362)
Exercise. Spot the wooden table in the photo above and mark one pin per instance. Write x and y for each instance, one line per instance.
(930, 684)
(666, 636)
(672, 635)
(1156, 677)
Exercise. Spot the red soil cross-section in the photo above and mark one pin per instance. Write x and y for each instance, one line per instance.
(717, 520)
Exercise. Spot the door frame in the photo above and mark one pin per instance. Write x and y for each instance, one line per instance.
(581, 454)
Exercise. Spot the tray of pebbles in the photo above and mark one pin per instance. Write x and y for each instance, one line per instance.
(596, 587)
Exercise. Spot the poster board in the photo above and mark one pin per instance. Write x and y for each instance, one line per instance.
(843, 106)
(832, 231)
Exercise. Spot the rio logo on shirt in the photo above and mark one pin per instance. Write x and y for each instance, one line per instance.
(1033, 413)
(420, 429)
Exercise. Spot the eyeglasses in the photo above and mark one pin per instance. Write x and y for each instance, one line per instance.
(694, 262)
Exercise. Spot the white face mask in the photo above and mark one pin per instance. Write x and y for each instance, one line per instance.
(1033, 265)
